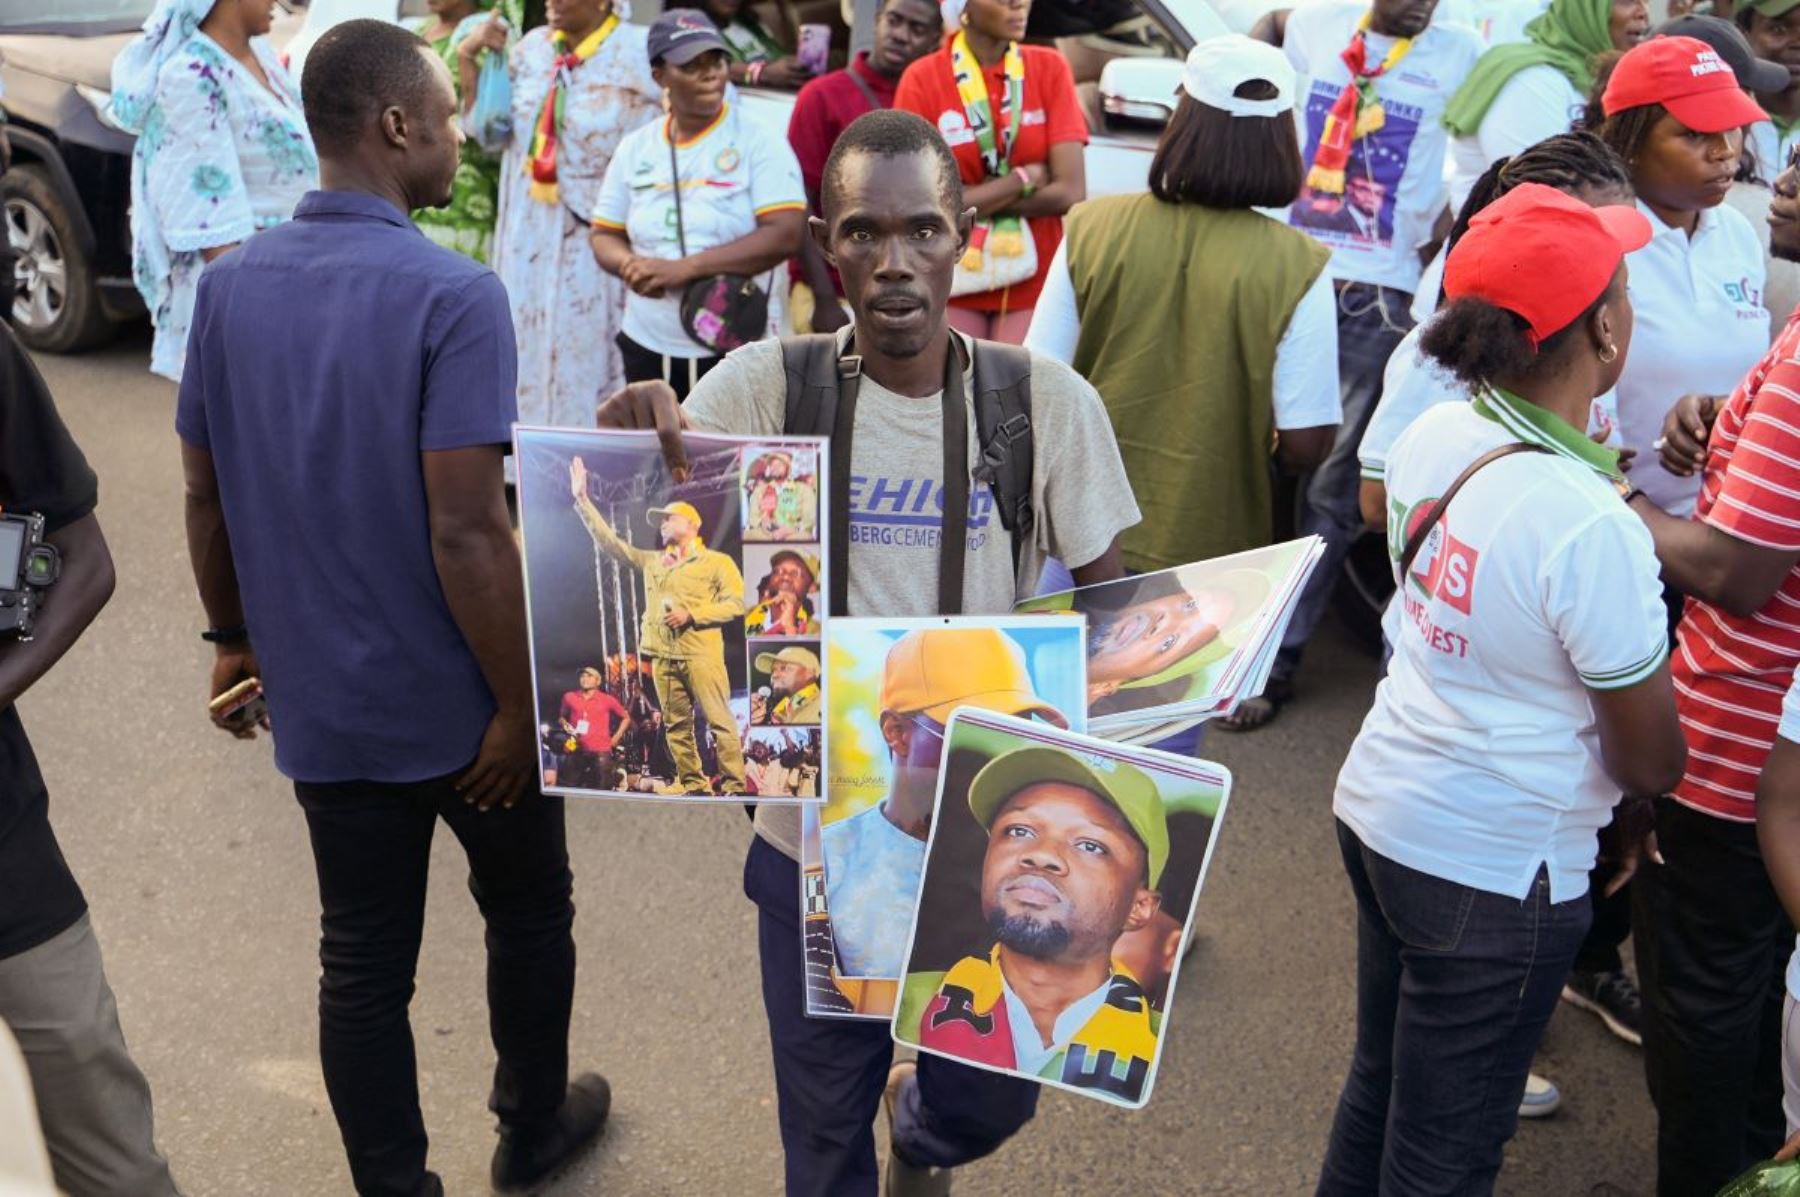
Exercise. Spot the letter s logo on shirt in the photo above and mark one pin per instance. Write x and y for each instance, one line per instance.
(1453, 574)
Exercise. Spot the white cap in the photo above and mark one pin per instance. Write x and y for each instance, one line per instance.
(1218, 66)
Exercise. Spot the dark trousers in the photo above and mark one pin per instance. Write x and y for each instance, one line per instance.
(643, 364)
(1371, 322)
(830, 1072)
(1712, 946)
(1454, 987)
(1612, 923)
(372, 847)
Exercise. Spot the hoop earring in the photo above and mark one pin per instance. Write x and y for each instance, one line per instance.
(1609, 355)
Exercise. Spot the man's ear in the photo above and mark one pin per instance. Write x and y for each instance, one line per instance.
(821, 235)
(965, 228)
(898, 734)
(393, 126)
(1143, 908)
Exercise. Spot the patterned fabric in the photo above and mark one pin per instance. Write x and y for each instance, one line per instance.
(566, 310)
(135, 71)
(1732, 672)
(466, 225)
(218, 157)
(1357, 112)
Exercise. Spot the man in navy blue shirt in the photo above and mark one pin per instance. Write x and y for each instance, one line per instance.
(343, 418)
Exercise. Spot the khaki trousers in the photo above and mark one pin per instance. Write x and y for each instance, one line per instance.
(682, 687)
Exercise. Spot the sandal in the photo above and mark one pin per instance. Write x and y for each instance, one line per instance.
(1258, 712)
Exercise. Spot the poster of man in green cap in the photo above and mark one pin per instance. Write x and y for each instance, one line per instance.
(1032, 981)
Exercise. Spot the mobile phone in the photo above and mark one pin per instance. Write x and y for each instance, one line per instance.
(815, 47)
(241, 706)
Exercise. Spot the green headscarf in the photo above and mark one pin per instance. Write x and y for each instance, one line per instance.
(1567, 36)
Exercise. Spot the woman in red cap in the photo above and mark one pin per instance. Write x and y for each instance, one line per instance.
(1529, 687)
(1675, 111)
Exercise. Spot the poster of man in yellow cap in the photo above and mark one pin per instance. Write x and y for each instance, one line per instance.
(1050, 850)
(628, 566)
(894, 684)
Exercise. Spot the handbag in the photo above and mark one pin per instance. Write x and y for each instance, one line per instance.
(1001, 253)
(721, 311)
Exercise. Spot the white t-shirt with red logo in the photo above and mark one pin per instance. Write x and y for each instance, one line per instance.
(1480, 761)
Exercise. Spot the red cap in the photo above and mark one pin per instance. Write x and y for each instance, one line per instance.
(1686, 76)
(1542, 255)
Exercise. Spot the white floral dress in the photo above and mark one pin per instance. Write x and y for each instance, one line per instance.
(221, 157)
(566, 310)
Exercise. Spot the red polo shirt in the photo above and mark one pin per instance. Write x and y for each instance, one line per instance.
(595, 708)
(1053, 116)
(824, 109)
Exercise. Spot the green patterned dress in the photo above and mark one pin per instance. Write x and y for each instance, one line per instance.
(467, 225)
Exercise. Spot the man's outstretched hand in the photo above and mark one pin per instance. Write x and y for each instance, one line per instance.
(578, 477)
(650, 405)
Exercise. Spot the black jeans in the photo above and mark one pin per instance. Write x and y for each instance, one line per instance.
(1712, 947)
(372, 847)
(1454, 986)
(830, 1072)
(643, 364)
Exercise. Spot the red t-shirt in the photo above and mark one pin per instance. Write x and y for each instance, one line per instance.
(824, 109)
(1053, 116)
(1731, 672)
(597, 709)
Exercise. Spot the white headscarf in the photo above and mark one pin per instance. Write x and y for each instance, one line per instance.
(168, 27)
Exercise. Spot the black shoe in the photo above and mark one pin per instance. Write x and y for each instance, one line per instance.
(531, 1156)
(1614, 997)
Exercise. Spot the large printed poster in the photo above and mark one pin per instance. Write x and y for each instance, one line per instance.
(894, 684)
(675, 625)
(1060, 882)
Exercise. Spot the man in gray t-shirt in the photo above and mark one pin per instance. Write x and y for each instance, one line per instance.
(895, 225)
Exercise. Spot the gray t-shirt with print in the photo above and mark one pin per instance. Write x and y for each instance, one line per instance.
(1079, 491)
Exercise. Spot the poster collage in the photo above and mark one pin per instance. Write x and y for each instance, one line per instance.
(984, 826)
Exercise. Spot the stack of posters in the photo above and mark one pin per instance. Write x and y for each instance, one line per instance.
(895, 684)
(1174, 648)
(675, 626)
(1058, 864)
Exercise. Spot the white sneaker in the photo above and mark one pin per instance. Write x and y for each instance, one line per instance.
(1542, 1098)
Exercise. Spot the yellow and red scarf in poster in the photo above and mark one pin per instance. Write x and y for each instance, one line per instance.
(546, 135)
(1003, 235)
(1356, 113)
(967, 1018)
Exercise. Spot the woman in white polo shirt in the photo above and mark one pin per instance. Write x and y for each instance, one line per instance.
(1529, 686)
(702, 194)
(1674, 110)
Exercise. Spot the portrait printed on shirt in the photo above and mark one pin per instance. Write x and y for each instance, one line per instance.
(781, 495)
(1058, 864)
(1354, 205)
(1190, 641)
(894, 684)
(648, 675)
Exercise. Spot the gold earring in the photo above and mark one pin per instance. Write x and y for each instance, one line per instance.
(1609, 355)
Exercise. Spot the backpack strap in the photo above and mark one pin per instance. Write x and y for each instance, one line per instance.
(821, 401)
(1003, 432)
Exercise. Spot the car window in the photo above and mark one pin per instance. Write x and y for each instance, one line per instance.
(18, 14)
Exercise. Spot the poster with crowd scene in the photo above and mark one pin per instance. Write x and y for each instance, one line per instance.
(675, 626)
(1057, 864)
(894, 684)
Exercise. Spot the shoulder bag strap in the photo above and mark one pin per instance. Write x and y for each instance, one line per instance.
(1416, 541)
(675, 182)
(862, 85)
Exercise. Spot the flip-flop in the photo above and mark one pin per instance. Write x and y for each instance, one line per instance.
(1275, 695)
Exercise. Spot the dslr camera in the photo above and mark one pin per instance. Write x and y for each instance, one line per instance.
(28, 567)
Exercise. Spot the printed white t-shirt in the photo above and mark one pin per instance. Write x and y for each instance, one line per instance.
(1790, 731)
(1480, 761)
(1771, 146)
(731, 174)
(1536, 103)
(1395, 186)
(1701, 325)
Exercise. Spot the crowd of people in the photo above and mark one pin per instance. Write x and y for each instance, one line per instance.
(1515, 291)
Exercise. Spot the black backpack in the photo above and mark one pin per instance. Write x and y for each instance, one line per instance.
(821, 401)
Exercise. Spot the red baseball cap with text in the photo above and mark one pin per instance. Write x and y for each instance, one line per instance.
(1686, 76)
(1542, 255)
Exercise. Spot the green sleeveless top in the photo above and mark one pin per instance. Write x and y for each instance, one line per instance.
(1182, 308)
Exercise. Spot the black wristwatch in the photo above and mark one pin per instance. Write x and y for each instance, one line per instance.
(233, 635)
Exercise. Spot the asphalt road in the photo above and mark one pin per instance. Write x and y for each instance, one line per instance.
(194, 857)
